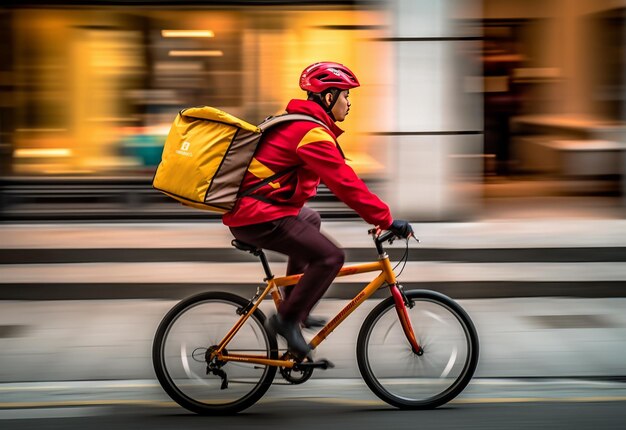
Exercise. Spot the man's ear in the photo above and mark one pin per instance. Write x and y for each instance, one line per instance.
(328, 98)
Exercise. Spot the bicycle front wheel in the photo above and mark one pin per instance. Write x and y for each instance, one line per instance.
(405, 379)
(180, 350)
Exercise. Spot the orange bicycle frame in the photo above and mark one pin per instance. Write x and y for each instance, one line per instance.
(386, 276)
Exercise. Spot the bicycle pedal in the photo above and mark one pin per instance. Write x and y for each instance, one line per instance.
(320, 364)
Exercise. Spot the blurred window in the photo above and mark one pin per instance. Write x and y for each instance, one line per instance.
(97, 89)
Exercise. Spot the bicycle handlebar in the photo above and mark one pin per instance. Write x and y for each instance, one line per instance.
(389, 235)
(380, 238)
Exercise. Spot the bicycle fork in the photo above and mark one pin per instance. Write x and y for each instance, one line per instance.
(402, 302)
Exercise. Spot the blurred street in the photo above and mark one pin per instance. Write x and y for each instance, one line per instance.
(332, 404)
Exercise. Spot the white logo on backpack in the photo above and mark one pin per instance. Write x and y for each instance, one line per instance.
(184, 149)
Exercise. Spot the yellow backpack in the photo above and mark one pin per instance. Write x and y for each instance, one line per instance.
(206, 155)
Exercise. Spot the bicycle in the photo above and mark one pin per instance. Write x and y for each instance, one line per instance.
(213, 355)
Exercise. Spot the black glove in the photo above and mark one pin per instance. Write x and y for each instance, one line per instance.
(401, 228)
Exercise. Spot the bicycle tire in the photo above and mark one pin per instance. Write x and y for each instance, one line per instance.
(434, 316)
(182, 374)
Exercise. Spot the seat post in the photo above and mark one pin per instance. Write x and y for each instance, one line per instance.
(257, 252)
(266, 267)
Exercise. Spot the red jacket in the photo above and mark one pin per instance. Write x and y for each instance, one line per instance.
(314, 150)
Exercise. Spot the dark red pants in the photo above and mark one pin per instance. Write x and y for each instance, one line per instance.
(309, 252)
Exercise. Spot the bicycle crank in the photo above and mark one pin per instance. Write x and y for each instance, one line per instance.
(301, 372)
(295, 375)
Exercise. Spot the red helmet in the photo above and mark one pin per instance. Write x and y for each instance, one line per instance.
(321, 76)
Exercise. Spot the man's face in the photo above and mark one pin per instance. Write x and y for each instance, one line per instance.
(342, 107)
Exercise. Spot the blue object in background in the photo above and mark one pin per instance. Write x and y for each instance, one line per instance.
(145, 147)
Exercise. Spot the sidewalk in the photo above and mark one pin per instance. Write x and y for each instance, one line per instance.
(112, 339)
(500, 233)
(499, 258)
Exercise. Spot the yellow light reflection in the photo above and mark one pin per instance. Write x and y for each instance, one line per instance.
(214, 53)
(42, 152)
(187, 33)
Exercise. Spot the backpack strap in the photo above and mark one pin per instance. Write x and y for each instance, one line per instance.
(275, 120)
(264, 126)
(266, 181)
(271, 121)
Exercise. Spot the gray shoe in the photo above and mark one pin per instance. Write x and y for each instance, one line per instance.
(314, 322)
(290, 331)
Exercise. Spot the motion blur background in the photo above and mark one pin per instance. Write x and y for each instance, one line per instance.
(467, 108)
(498, 127)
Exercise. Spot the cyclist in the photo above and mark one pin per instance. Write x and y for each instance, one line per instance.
(274, 217)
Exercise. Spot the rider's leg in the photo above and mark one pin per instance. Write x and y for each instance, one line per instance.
(297, 265)
(305, 242)
(302, 240)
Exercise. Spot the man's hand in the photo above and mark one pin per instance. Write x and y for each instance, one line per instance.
(401, 228)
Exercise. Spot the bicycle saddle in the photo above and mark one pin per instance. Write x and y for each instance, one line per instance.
(245, 246)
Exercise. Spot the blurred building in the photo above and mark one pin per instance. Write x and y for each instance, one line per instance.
(455, 92)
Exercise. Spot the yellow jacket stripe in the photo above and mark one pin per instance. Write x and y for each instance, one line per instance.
(317, 134)
(261, 171)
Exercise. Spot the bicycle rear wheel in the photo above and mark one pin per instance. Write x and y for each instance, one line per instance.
(407, 380)
(180, 348)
